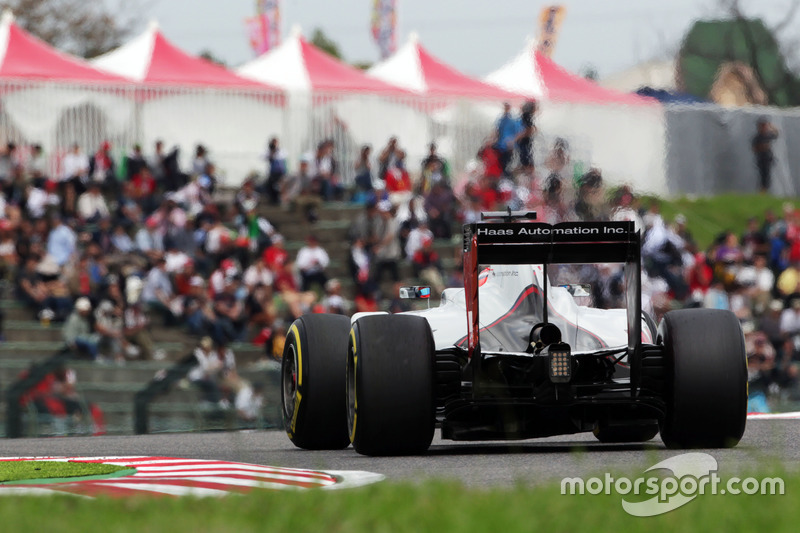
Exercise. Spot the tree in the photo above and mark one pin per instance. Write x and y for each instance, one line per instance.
(81, 27)
(321, 41)
(208, 55)
(736, 10)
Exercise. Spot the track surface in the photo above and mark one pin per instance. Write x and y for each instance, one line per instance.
(476, 464)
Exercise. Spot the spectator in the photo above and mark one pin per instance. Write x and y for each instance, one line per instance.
(134, 162)
(102, 169)
(766, 133)
(157, 293)
(524, 137)
(334, 302)
(200, 161)
(363, 175)
(91, 204)
(61, 242)
(427, 265)
(387, 248)
(74, 174)
(157, 164)
(275, 256)
(276, 171)
(439, 209)
(136, 324)
(108, 322)
(230, 320)
(213, 365)
(490, 160)
(434, 170)
(303, 192)
(416, 238)
(77, 332)
(508, 129)
(558, 161)
(312, 260)
(398, 182)
(387, 159)
(258, 274)
(367, 226)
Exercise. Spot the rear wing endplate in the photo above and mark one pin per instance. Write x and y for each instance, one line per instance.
(531, 243)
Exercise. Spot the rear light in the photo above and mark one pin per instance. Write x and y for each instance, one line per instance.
(559, 363)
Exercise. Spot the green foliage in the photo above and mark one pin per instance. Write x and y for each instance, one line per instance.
(323, 42)
(708, 217)
(709, 44)
(434, 506)
(87, 29)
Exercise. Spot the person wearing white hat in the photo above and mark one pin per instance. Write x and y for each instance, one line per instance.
(77, 332)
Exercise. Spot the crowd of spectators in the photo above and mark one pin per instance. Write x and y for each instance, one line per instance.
(108, 246)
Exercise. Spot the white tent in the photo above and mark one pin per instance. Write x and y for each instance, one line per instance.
(328, 98)
(622, 134)
(186, 100)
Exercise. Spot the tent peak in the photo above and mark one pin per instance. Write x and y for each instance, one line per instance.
(413, 38)
(152, 26)
(7, 17)
(296, 32)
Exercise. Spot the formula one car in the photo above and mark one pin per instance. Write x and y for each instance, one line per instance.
(512, 357)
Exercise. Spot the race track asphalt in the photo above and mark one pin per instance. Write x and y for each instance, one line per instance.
(766, 442)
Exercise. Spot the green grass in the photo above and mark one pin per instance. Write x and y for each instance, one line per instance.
(434, 506)
(14, 471)
(707, 217)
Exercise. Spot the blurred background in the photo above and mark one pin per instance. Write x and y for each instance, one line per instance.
(180, 181)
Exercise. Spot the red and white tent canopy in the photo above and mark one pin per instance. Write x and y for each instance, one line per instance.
(413, 68)
(537, 76)
(24, 57)
(297, 65)
(151, 59)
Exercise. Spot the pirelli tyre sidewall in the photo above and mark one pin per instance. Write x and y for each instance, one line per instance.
(313, 382)
(706, 379)
(390, 385)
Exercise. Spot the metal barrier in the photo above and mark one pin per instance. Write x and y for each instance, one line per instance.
(23, 385)
(159, 385)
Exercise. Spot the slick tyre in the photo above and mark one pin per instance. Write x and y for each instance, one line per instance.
(706, 379)
(313, 382)
(390, 385)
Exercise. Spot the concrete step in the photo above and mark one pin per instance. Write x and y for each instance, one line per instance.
(326, 231)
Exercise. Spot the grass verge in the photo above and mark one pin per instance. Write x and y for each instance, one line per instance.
(25, 471)
(708, 216)
(434, 506)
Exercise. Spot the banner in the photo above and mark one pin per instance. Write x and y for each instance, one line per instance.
(264, 29)
(384, 26)
(550, 20)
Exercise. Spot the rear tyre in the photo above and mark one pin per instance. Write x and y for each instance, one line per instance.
(705, 385)
(390, 385)
(313, 382)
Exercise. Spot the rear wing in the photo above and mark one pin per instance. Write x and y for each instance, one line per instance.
(523, 243)
(531, 243)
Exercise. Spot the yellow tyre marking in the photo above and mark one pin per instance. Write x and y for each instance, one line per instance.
(296, 410)
(299, 354)
(355, 385)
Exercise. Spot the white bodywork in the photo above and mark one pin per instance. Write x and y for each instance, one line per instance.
(507, 296)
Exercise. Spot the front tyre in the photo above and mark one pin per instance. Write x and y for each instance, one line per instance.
(313, 382)
(706, 379)
(390, 385)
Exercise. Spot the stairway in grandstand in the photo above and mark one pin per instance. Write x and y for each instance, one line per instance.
(112, 387)
(331, 230)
